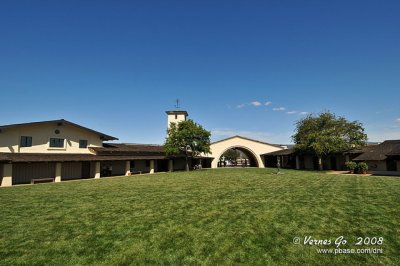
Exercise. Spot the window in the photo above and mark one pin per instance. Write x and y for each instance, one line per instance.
(133, 165)
(83, 144)
(26, 141)
(56, 143)
(147, 163)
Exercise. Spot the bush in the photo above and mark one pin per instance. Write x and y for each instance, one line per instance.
(351, 166)
(362, 168)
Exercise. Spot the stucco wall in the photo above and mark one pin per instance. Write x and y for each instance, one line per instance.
(254, 147)
(172, 119)
(41, 133)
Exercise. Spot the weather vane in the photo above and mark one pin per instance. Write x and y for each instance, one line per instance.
(177, 105)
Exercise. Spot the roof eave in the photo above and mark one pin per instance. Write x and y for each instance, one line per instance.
(60, 122)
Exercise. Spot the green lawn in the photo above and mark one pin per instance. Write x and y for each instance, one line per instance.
(223, 216)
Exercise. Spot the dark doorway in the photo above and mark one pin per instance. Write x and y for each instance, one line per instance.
(270, 161)
(162, 165)
(391, 165)
(302, 162)
(85, 170)
(333, 163)
(206, 162)
(315, 163)
(291, 162)
(287, 161)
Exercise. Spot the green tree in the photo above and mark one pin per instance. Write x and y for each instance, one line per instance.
(327, 133)
(187, 138)
(231, 155)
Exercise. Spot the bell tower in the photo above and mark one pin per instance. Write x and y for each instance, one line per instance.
(177, 115)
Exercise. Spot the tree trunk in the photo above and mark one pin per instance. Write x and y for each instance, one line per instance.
(320, 163)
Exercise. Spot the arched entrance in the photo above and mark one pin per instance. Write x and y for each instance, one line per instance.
(251, 158)
(250, 147)
(237, 157)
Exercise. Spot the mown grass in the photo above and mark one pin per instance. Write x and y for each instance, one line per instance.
(224, 216)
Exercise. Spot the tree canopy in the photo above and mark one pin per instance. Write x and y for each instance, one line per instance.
(327, 133)
(188, 138)
(231, 155)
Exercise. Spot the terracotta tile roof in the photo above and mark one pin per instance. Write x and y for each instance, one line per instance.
(380, 152)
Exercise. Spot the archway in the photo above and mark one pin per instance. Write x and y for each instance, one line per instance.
(244, 157)
(252, 148)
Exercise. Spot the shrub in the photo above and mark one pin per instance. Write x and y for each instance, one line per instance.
(362, 168)
(351, 166)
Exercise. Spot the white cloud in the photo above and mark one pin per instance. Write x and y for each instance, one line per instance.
(303, 113)
(279, 109)
(256, 103)
(267, 103)
(398, 120)
(253, 103)
(291, 112)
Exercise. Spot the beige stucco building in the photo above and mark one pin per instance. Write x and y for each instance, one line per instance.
(60, 150)
(41, 137)
(250, 147)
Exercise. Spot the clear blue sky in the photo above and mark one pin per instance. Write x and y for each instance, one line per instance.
(116, 66)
